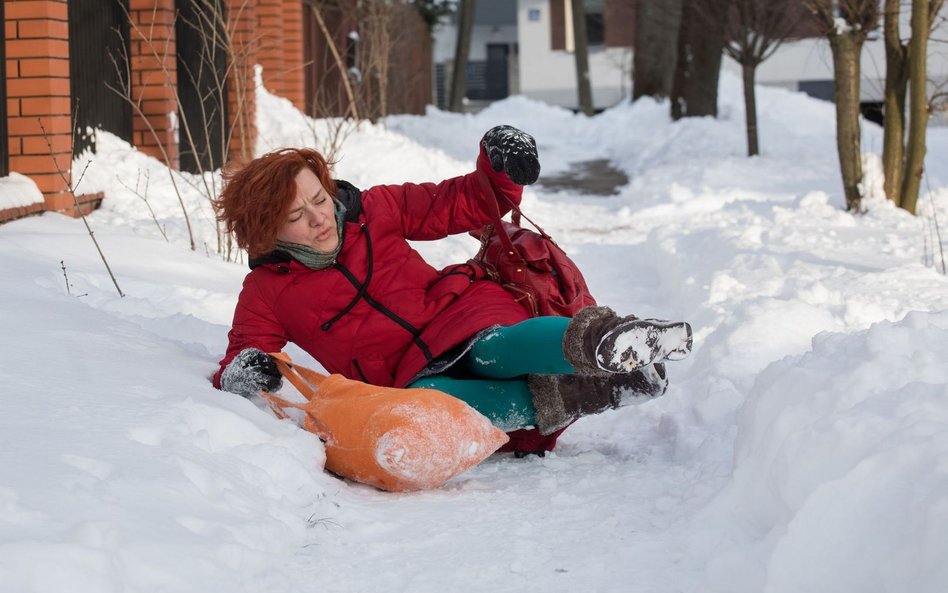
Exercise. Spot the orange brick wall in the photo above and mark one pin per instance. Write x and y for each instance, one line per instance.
(270, 50)
(293, 53)
(268, 32)
(241, 107)
(38, 96)
(153, 76)
(280, 48)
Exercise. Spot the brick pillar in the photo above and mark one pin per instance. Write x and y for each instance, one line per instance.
(38, 96)
(241, 100)
(293, 83)
(270, 52)
(154, 72)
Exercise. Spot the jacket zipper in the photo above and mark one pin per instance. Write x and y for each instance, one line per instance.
(358, 368)
(362, 293)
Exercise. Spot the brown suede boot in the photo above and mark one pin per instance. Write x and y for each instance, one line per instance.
(598, 341)
(560, 399)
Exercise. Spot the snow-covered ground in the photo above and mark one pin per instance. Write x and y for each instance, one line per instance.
(803, 447)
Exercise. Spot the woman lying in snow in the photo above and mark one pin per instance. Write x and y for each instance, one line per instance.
(333, 272)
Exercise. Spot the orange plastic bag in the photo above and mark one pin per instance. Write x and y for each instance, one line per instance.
(393, 439)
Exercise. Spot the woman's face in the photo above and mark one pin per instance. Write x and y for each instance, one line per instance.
(312, 217)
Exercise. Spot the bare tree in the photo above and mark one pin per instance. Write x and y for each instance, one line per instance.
(366, 40)
(581, 55)
(352, 107)
(898, 76)
(461, 50)
(376, 42)
(432, 11)
(71, 189)
(656, 43)
(846, 24)
(896, 87)
(221, 65)
(922, 16)
(701, 38)
(756, 30)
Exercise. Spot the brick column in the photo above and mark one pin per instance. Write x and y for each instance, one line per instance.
(270, 52)
(241, 99)
(154, 72)
(293, 83)
(38, 96)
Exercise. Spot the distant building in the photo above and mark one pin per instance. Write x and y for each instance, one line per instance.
(493, 62)
(534, 37)
(525, 47)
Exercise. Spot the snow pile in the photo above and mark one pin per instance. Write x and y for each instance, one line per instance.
(120, 463)
(17, 191)
(840, 479)
(801, 447)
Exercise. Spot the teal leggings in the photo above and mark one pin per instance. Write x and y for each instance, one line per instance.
(500, 362)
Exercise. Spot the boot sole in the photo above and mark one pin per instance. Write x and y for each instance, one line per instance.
(640, 342)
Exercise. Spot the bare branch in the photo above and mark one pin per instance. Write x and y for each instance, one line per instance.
(331, 44)
(72, 192)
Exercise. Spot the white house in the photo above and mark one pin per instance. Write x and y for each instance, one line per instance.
(534, 38)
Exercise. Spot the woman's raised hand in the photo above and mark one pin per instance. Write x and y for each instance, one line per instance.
(514, 152)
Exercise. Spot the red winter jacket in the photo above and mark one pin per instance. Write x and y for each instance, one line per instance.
(381, 313)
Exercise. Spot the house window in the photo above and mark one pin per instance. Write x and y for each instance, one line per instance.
(595, 32)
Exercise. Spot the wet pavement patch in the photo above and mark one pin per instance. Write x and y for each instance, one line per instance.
(597, 177)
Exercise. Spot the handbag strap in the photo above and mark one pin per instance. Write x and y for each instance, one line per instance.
(306, 381)
(516, 212)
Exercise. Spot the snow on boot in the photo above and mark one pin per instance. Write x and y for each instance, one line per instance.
(558, 400)
(597, 341)
(637, 342)
(639, 386)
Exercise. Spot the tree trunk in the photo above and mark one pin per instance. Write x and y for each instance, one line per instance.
(656, 40)
(918, 106)
(846, 49)
(703, 45)
(679, 107)
(581, 50)
(896, 81)
(458, 76)
(750, 108)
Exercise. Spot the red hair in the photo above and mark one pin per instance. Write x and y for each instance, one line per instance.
(257, 196)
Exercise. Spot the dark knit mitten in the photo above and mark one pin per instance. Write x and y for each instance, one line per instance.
(251, 372)
(514, 152)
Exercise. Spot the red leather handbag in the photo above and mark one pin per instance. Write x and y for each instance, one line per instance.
(530, 265)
